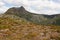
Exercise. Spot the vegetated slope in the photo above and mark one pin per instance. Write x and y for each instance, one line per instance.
(16, 28)
(35, 18)
(21, 12)
(57, 20)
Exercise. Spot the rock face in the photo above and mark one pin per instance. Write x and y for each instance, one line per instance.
(35, 18)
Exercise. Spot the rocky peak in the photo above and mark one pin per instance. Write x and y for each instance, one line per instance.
(22, 8)
(16, 10)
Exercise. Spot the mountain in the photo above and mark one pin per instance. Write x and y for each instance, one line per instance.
(33, 17)
(19, 24)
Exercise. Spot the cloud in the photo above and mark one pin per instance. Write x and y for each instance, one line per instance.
(3, 8)
(43, 6)
(1, 4)
(36, 6)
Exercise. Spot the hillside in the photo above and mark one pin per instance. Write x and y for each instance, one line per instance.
(15, 28)
(21, 12)
(33, 17)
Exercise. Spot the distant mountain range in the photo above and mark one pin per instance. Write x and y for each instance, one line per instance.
(35, 18)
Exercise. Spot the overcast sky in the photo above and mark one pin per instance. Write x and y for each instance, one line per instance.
(36, 6)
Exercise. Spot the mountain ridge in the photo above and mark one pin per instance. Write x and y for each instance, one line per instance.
(35, 18)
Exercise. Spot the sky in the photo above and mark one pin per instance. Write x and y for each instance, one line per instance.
(36, 6)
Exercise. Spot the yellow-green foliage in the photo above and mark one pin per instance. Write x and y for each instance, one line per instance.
(15, 28)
